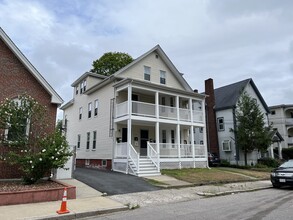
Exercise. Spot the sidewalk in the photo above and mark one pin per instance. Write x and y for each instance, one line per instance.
(90, 202)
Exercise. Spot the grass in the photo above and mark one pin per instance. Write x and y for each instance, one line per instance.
(215, 175)
(155, 182)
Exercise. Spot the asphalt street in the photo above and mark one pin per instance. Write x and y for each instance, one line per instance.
(111, 182)
(269, 204)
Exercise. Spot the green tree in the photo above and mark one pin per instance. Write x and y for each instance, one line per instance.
(24, 135)
(110, 63)
(251, 132)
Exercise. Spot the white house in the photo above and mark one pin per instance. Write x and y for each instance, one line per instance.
(138, 120)
(281, 118)
(224, 107)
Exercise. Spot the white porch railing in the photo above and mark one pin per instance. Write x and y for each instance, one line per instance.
(134, 157)
(166, 112)
(143, 108)
(153, 155)
(120, 150)
(121, 109)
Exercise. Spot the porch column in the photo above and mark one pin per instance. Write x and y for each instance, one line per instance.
(190, 109)
(158, 143)
(280, 150)
(204, 132)
(192, 143)
(157, 105)
(272, 150)
(178, 143)
(177, 108)
(129, 124)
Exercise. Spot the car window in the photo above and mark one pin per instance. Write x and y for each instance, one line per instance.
(287, 164)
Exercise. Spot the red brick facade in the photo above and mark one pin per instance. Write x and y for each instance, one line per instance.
(212, 133)
(93, 163)
(15, 80)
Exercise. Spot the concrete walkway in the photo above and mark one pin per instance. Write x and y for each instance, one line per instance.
(90, 202)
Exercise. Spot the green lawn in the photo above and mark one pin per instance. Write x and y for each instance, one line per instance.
(217, 175)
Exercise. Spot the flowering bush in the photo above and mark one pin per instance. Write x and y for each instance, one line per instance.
(23, 128)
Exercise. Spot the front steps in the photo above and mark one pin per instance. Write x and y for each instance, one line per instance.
(146, 168)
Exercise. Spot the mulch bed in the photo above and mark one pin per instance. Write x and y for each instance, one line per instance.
(17, 186)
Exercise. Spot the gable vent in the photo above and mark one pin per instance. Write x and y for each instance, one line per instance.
(157, 56)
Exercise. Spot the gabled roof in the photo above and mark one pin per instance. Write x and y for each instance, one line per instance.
(276, 136)
(55, 98)
(167, 61)
(227, 96)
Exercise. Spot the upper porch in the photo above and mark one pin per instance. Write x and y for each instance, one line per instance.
(155, 104)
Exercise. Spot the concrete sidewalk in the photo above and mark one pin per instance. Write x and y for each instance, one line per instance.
(90, 202)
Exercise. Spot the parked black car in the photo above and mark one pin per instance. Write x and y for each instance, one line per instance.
(213, 160)
(283, 175)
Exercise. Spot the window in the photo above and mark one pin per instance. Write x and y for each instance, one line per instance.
(96, 107)
(76, 90)
(200, 129)
(87, 162)
(147, 73)
(104, 163)
(80, 113)
(162, 77)
(273, 112)
(81, 87)
(84, 85)
(94, 139)
(172, 136)
(164, 136)
(78, 141)
(201, 142)
(90, 110)
(226, 145)
(88, 138)
(221, 126)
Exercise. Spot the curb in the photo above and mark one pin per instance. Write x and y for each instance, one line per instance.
(82, 214)
(231, 192)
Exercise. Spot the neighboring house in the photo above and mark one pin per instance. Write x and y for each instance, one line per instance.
(281, 119)
(18, 76)
(138, 120)
(221, 106)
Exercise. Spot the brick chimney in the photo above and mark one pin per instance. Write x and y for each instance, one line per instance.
(212, 132)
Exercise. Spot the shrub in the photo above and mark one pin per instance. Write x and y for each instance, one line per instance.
(269, 162)
(287, 153)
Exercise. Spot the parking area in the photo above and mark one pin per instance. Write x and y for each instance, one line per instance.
(111, 182)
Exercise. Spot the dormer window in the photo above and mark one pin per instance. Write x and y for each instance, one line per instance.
(76, 90)
(82, 86)
(147, 73)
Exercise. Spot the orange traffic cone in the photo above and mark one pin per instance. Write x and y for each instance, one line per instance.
(63, 208)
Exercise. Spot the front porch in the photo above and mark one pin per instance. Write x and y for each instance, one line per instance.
(158, 156)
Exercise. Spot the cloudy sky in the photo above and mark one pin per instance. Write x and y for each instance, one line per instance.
(227, 40)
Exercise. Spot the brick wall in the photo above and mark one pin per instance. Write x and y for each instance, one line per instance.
(212, 133)
(15, 80)
(94, 163)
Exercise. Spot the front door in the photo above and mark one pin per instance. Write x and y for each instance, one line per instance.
(144, 137)
(124, 134)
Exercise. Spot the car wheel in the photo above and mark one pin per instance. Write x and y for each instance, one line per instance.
(276, 185)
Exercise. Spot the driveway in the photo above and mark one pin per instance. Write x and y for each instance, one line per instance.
(111, 182)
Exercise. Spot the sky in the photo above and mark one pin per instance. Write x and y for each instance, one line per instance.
(226, 40)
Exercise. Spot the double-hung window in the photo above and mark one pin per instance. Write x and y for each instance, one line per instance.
(80, 113)
(88, 138)
(96, 107)
(94, 139)
(226, 145)
(147, 73)
(221, 125)
(162, 77)
(90, 110)
(78, 141)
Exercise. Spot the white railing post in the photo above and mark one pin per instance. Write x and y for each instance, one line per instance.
(128, 154)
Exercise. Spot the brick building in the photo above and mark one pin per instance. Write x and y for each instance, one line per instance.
(18, 76)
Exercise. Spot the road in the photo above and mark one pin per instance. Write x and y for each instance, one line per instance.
(269, 204)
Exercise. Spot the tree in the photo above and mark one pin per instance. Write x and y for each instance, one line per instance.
(251, 132)
(110, 63)
(24, 133)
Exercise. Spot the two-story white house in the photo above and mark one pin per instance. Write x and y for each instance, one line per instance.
(281, 118)
(139, 120)
(221, 139)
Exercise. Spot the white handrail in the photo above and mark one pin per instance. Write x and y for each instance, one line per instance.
(134, 157)
(153, 155)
